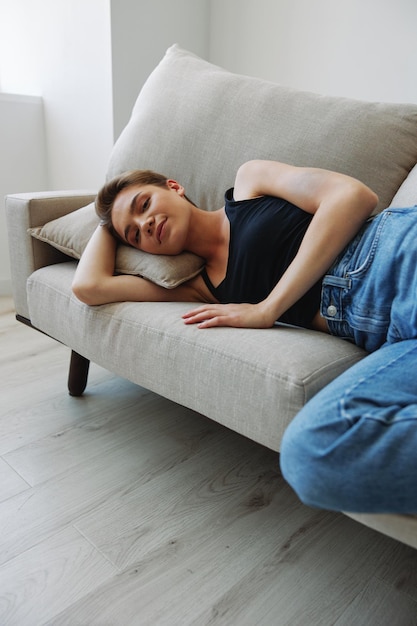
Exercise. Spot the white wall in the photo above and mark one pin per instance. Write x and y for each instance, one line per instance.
(60, 50)
(141, 33)
(363, 49)
(22, 160)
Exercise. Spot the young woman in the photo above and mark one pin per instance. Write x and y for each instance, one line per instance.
(285, 235)
(151, 213)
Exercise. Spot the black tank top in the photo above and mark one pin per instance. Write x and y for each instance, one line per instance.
(265, 234)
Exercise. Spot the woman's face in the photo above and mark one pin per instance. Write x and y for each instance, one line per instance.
(151, 218)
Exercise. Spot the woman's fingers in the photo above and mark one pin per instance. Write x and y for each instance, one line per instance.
(208, 315)
(237, 315)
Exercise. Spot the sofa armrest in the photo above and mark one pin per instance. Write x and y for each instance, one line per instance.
(27, 210)
(407, 193)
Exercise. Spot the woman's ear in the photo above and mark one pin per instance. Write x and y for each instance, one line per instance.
(175, 186)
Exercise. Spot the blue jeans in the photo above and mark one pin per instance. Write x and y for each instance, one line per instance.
(370, 293)
(353, 447)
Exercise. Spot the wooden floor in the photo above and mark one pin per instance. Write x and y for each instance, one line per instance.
(123, 508)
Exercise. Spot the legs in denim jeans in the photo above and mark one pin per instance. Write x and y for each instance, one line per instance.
(353, 447)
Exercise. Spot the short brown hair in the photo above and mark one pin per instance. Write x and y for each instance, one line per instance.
(108, 193)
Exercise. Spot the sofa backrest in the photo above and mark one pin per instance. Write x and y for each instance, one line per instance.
(196, 122)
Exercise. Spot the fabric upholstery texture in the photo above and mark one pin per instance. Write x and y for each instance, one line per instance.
(28, 210)
(407, 193)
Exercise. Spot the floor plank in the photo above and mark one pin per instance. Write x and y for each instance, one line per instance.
(55, 572)
(10, 481)
(379, 604)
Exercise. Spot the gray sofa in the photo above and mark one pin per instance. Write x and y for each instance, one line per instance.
(197, 123)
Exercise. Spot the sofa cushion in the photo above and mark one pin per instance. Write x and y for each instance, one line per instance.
(251, 380)
(70, 235)
(196, 122)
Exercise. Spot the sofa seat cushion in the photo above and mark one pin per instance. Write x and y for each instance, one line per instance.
(275, 370)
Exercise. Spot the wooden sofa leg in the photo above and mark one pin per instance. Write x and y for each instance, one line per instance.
(78, 374)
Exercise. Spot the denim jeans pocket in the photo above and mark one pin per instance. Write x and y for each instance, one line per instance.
(335, 294)
(333, 290)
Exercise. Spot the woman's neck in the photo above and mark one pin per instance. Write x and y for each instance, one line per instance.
(208, 234)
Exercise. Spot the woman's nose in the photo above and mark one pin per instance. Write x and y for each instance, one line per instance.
(148, 225)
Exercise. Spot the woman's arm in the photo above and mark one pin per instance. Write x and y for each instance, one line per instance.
(339, 204)
(95, 283)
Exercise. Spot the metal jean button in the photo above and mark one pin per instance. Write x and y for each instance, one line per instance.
(331, 310)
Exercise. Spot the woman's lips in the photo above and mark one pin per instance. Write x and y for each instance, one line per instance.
(159, 230)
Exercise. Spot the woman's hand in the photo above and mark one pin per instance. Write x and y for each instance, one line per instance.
(236, 315)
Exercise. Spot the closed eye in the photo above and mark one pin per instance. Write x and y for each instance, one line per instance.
(145, 205)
